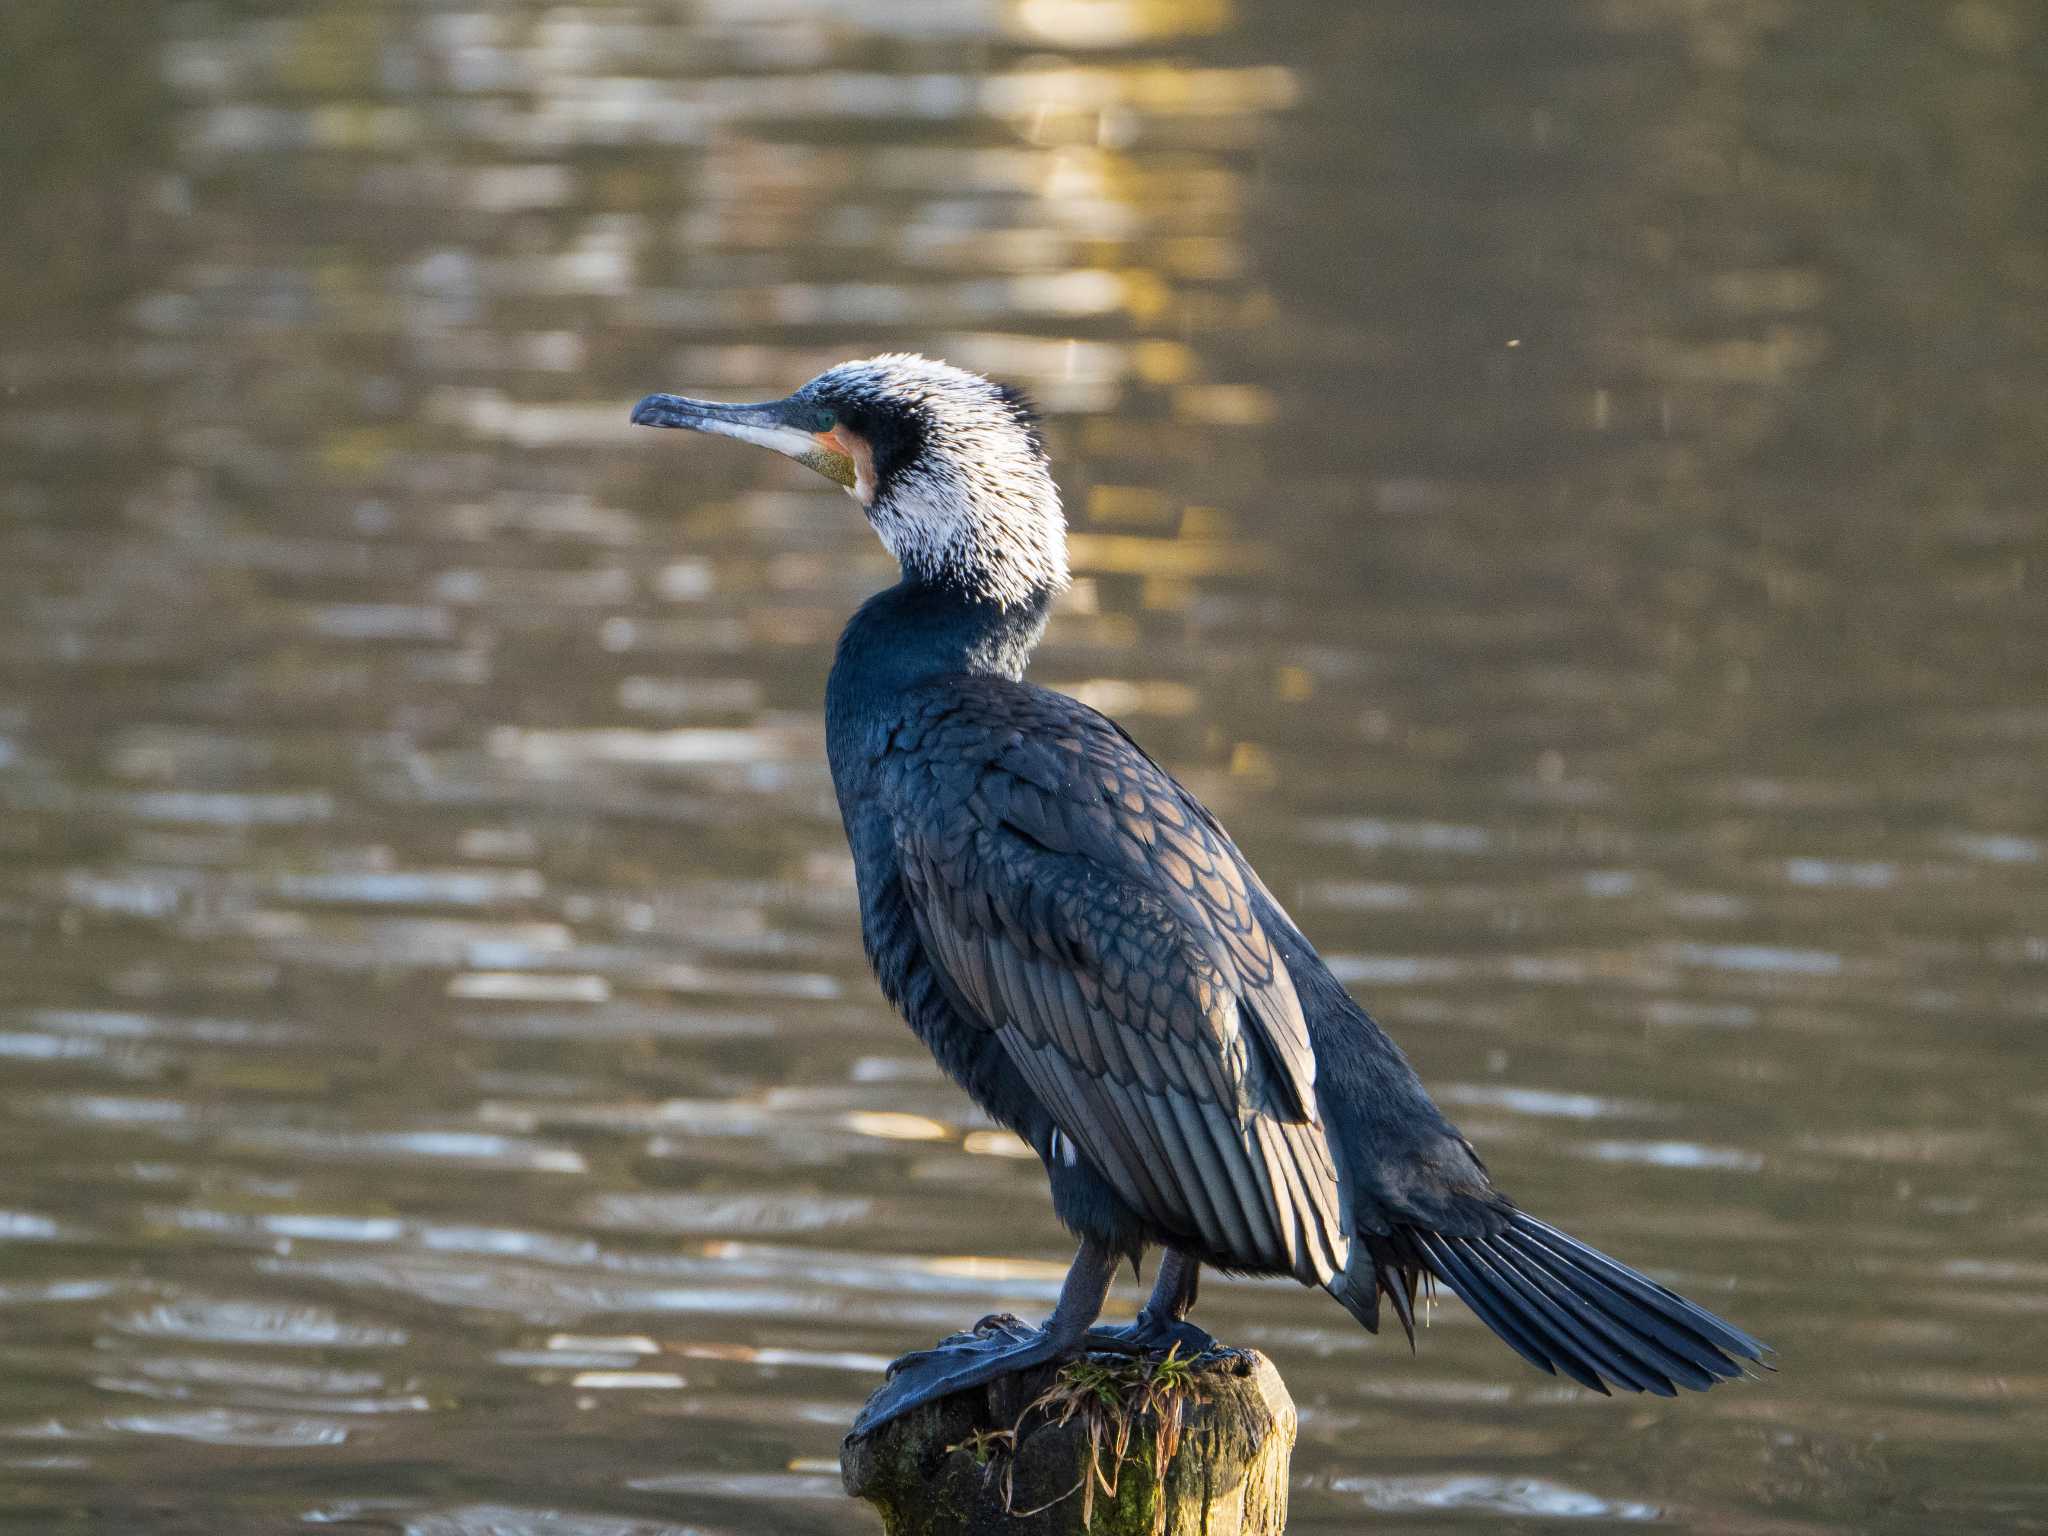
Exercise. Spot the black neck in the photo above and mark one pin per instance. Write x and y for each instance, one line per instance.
(918, 630)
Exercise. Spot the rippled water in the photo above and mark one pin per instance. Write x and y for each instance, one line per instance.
(1563, 480)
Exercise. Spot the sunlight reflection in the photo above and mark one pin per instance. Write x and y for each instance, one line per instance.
(895, 1126)
(997, 1144)
(1527, 1496)
(1120, 23)
(1568, 497)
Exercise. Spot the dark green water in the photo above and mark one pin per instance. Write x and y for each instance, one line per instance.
(1564, 480)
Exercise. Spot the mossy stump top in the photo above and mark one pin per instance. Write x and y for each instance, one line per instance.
(1076, 1448)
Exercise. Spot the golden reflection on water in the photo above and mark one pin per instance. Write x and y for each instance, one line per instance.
(1567, 493)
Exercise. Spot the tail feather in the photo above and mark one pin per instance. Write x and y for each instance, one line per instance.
(1560, 1305)
(1525, 1335)
(1566, 1343)
(1611, 1340)
(1690, 1323)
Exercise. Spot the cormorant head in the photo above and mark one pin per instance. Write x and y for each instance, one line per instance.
(949, 467)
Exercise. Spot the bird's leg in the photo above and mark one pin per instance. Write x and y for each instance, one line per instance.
(998, 1347)
(1173, 1293)
(1163, 1322)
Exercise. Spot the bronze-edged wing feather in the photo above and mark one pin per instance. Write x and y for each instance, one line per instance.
(1103, 930)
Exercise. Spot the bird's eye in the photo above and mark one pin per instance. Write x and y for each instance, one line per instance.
(826, 421)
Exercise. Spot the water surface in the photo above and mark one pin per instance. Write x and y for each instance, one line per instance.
(1562, 480)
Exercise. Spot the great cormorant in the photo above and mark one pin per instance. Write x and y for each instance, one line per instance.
(1086, 952)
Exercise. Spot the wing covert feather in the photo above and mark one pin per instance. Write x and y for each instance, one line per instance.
(1101, 928)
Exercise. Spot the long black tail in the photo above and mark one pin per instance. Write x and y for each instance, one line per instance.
(1561, 1306)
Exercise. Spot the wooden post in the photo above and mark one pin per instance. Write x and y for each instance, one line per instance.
(1000, 1461)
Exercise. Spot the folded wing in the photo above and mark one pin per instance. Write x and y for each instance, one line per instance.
(1106, 936)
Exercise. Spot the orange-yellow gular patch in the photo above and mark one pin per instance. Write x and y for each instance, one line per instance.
(849, 461)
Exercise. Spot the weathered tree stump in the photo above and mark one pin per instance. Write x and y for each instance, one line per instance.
(1037, 1454)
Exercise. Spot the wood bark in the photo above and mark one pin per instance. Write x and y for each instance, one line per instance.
(946, 1470)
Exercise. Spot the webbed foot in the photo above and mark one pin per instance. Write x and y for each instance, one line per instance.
(1005, 1325)
(1154, 1336)
(998, 1346)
